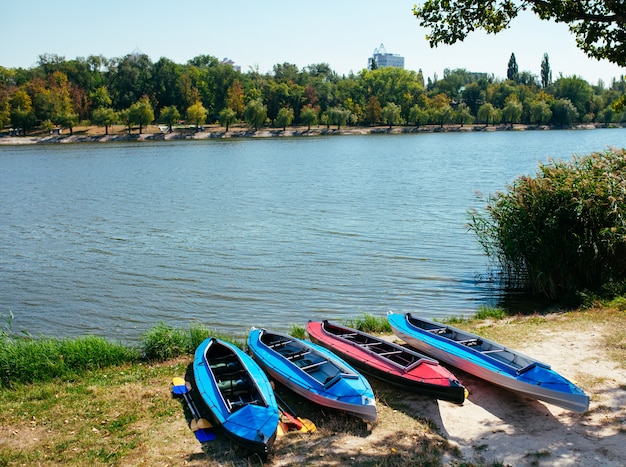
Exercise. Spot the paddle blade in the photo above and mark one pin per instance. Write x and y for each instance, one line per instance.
(307, 424)
(204, 435)
(179, 390)
(178, 381)
(291, 420)
(179, 387)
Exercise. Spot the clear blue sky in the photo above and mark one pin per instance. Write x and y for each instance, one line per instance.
(254, 34)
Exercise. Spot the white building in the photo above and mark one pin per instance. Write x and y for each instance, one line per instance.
(384, 59)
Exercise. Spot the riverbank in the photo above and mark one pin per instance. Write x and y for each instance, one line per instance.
(125, 415)
(155, 133)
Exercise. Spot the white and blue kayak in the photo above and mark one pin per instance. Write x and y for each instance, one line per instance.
(238, 394)
(489, 360)
(313, 372)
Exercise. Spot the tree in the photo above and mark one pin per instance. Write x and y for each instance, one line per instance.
(227, 116)
(100, 97)
(418, 115)
(68, 120)
(308, 116)
(169, 115)
(338, 116)
(141, 113)
(391, 114)
(235, 98)
(488, 113)
(462, 115)
(512, 70)
(577, 91)
(540, 112)
(104, 116)
(546, 72)
(255, 113)
(373, 111)
(132, 80)
(196, 114)
(512, 111)
(564, 113)
(284, 117)
(5, 114)
(22, 115)
(599, 26)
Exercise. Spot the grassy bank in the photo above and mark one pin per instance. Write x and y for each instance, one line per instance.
(117, 409)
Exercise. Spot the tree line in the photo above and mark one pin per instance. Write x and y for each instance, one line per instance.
(135, 91)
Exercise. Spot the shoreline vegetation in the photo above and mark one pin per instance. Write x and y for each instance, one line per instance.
(119, 133)
(90, 400)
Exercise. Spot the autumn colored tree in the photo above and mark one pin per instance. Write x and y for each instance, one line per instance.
(235, 98)
(196, 114)
(373, 111)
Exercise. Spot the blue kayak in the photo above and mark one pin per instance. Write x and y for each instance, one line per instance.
(237, 393)
(313, 372)
(489, 360)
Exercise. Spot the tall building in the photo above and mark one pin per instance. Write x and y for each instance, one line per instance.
(382, 58)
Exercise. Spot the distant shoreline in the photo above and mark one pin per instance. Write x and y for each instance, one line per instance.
(96, 134)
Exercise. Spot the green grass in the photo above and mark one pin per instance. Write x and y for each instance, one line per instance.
(28, 359)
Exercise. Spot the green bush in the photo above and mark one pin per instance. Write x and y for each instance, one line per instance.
(562, 231)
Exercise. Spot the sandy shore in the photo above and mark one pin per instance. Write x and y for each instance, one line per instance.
(498, 427)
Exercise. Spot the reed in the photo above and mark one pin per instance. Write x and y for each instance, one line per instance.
(164, 342)
(369, 323)
(562, 231)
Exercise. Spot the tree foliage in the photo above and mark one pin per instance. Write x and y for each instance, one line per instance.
(255, 113)
(546, 72)
(62, 92)
(512, 71)
(141, 113)
(599, 26)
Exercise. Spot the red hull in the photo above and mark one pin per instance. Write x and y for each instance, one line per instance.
(388, 361)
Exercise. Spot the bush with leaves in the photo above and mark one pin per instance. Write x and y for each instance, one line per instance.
(562, 231)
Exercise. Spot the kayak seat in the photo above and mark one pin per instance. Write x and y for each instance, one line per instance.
(279, 343)
(313, 366)
(471, 342)
(297, 355)
(234, 405)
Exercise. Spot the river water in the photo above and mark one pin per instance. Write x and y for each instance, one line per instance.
(113, 238)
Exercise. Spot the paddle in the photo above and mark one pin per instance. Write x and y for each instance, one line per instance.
(200, 426)
(303, 424)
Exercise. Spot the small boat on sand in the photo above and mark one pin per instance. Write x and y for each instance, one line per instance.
(489, 360)
(237, 393)
(313, 372)
(389, 362)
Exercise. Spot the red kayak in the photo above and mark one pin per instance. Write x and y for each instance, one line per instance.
(387, 361)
